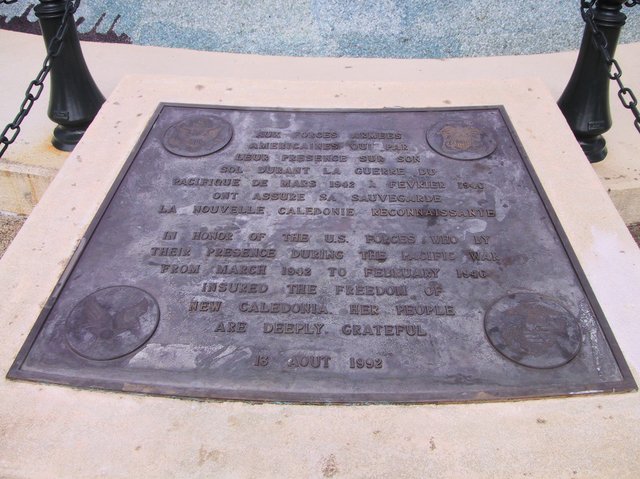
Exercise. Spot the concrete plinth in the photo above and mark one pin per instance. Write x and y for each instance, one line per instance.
(54, 431)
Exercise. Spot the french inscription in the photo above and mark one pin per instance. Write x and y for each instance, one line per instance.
(380, 198)
(224, 209)
(251, 157)
(417, 184)
(210, 182)
(277, 196)
(167, 209)
(309, 362)
(431, 212)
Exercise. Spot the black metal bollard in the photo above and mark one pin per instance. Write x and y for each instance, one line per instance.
(585, 100)
(74, 97)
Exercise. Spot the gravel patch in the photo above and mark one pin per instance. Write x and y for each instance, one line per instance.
(9, 227)
(635, 232)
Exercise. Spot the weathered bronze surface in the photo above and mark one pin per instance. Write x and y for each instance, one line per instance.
(326, 256)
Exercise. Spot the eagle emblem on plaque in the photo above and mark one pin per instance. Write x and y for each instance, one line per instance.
(198, 136)
(461, 141)
(111, 323)
(457, 138)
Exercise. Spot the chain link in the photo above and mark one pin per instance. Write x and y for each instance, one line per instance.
(625, 94)
(34, 90)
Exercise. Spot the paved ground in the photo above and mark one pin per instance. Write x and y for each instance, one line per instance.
(335, 28)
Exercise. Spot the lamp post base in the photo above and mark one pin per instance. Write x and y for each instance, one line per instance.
(585, 100)
(594, 147)
(65, 138)
(74, 98)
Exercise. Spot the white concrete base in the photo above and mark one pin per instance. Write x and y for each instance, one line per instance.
(53, 431)
(109, 63)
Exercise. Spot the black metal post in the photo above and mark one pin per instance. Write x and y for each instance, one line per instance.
(585, 100)
(74, 97)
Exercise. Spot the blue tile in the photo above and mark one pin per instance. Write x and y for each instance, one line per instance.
(355, 28)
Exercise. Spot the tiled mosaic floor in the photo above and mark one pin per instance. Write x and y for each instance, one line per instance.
(381, 28)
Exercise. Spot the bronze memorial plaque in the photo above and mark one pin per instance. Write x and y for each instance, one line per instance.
(326, 256)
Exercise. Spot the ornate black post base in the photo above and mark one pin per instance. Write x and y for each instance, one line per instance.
(74, 99)
(585, 100)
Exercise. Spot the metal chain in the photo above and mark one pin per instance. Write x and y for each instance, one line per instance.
(625, 94)
(34, 90)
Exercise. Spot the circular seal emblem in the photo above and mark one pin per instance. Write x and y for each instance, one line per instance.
(533, 330)
(461, 140)
(112, 322)
(198, 136)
